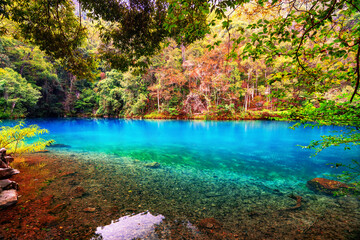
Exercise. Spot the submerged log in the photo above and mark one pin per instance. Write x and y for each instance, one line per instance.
(8, 198)
(298, 202)
(6, 173)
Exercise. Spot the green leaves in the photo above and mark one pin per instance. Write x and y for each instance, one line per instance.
(19, 95)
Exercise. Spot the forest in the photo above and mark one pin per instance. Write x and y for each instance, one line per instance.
(237, 60)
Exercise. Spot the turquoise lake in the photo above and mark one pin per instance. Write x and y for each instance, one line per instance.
(216, 180)
(265, 149)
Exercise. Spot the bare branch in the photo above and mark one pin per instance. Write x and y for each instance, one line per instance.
(357, 72)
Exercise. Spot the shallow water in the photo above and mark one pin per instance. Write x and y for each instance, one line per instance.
(216, 180)
(265, 149)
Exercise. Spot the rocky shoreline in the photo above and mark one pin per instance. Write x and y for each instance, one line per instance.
(8, 188)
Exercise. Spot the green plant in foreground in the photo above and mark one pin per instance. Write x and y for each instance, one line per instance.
(18, 139)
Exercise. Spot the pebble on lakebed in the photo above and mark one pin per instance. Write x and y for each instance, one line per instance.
(152, 165)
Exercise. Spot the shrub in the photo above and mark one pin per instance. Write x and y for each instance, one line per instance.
(16, 139)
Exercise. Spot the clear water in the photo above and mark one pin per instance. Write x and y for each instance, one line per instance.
(216, 180)
(265, 149)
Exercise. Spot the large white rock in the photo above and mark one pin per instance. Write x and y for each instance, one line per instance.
(8, 198)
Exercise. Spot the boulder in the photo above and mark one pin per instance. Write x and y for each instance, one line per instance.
(8, 198)
(2, 152)
(5, 159)
(6, 173)
(152, 165)
(7, 184)
(8, 159)
(3, 164)
(4, 183)
(326, 185)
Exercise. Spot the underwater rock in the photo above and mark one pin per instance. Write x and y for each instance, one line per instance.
(78, 192)
(325, 185)
(89, 209)
(58, 208)
(8, 172)
(209, 223)
(8, 198)
(152, 165)
(213, 228)
(59, 145)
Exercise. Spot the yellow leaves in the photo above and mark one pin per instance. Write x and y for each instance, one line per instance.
(14, 138)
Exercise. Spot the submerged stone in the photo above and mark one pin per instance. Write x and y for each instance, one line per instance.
(326, 185)
(152, 165)
(8, 198)
(6, 173)
(78, 192)
(89, 209)
(139, 226)
(209, 223)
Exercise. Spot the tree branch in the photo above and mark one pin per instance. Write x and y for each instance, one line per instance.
(307, 31)
(357, 72)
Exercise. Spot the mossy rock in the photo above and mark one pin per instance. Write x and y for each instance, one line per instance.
(152, 165)
(327, 186)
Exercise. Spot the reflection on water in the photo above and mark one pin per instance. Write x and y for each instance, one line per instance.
(141, 225)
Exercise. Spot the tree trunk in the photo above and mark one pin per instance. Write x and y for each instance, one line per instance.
(23, 64)
(69, 96)
(13, 107)
(256, 87)
(183, 56)
(158, 98)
